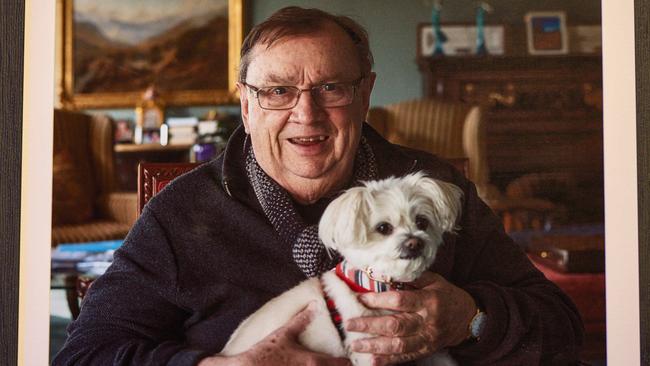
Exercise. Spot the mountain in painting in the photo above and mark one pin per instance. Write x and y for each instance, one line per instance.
(192, 55)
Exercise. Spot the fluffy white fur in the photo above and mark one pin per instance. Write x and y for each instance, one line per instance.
(350, 226)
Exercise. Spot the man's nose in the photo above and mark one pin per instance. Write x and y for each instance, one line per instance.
(307, 110)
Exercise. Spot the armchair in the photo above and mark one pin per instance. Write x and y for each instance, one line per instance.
(446, 128)
(85, 205)
(546, 195)
(152, 178)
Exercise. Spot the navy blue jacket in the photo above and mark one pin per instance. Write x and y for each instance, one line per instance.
(203, 256)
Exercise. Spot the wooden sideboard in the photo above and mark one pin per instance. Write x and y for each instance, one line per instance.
(543, 114)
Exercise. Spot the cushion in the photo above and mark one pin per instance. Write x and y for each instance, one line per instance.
(72, 201)
(96, 230)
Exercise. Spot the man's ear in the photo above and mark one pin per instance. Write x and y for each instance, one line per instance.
(366, 89)
(243, 102)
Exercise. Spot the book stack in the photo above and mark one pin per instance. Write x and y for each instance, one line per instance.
(91, 258)
(182, 131)
(208, 128)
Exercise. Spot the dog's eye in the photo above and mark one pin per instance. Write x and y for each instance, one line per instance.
(421, 222)
(384, 228)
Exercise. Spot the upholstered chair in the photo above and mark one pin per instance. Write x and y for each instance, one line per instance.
(445, 128)
(85, 204)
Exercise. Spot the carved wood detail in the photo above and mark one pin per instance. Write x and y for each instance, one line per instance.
(153, 177)
(542, 114)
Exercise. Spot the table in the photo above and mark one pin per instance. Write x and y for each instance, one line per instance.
(76, 265)
(587, 290)
(67, 280)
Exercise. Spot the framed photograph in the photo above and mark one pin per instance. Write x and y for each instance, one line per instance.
(461, 39)
(585, 39)
(149, 117)
(114, 50)
(546, 33)
(151, 137)
(124, 130)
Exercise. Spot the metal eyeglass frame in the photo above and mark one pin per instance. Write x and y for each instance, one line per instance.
(256, 90)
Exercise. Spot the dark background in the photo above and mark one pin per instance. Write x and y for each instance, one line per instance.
(642, 45)
(11, 84)
(12, 28)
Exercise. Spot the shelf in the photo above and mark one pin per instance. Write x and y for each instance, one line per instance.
(153, 147)
(508, 62)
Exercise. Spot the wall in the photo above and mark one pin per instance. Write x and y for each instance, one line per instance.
(392, 26)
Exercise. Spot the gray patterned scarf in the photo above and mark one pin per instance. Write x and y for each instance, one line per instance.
(308, 251)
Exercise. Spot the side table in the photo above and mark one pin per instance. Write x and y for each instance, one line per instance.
(583, 280)
(67, 281)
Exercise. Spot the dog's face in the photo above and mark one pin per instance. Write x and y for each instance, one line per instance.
(394, 226)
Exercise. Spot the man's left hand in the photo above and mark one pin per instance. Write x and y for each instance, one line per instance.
(434, 316)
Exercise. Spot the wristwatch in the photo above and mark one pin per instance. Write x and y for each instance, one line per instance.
(477, 324)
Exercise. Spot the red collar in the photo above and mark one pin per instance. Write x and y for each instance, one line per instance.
(364, 280)
(361, 281)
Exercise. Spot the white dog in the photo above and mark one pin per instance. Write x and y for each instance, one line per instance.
(388, 231)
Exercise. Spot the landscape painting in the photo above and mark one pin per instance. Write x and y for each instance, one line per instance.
(116, 49)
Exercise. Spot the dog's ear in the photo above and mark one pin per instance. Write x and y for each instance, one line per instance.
(446, 198)
(344, 219)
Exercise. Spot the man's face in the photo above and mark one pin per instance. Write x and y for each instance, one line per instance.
(308, 145)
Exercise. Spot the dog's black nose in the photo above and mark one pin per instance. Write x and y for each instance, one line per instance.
(411, 248)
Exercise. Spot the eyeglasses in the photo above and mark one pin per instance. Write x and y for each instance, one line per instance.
(326, 95)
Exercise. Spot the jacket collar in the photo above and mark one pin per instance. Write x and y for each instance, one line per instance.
(233, 175)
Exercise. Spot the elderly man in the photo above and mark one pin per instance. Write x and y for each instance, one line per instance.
(222, 240)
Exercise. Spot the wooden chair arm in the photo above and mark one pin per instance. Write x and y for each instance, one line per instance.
(524, 213)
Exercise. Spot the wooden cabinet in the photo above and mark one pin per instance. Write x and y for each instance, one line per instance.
(543, 114)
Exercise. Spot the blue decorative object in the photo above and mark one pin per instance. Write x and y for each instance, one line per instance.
(439, 36)
(483, 7)
(204, 151)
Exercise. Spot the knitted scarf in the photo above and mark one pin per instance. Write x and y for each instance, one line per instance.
(309, 253)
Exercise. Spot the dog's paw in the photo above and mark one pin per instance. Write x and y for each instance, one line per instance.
(361, 359)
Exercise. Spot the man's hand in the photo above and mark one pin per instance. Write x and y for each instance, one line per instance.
(281, 348)
(428, 319)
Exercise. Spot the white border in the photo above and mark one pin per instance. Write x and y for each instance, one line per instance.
(36, 184)
(620, 183)
(621, 216)
(528, 18)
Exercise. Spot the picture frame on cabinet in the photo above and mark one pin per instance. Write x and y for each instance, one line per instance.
(546, 33)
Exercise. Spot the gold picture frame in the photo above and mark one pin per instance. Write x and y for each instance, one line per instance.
(114, 89)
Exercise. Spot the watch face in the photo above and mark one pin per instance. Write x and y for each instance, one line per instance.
(478, 323)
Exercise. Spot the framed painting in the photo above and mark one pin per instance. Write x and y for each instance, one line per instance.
(188, 50)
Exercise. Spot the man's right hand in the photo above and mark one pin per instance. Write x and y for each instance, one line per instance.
(281, 348)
